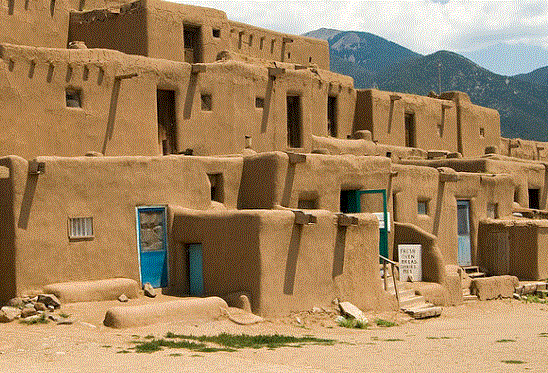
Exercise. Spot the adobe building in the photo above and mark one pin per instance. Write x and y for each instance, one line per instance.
(208, 157)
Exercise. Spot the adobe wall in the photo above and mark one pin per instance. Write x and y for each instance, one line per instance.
(524, 149)
(383, 113)
(413, 184)
(112, 119)
(270, 180)
(37, 209)
(160, 29)
(524, 174)
(478, 127)
(520, 246)
(246, 39)
(284, 266)
(40, 23)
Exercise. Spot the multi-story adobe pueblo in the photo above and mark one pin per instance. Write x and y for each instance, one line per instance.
(167, 144)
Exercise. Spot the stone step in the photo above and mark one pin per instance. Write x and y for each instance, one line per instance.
(412, 302)
(465, 291)
(476, 274)
(469, 298)
(471, 269)
(423, 313)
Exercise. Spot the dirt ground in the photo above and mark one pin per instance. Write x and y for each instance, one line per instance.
(474, 337)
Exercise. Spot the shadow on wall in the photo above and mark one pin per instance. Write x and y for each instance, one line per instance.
(292, 256)
(26, 204)
(7, 241)
(338, 257)
(190, 93)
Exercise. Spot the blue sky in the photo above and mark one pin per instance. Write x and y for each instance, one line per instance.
(507, 37)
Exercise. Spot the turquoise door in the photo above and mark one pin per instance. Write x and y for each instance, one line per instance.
(463, 228)
(152, 238)
(351, 203)
(195, 269)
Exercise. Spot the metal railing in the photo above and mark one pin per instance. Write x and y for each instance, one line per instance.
(385, 262)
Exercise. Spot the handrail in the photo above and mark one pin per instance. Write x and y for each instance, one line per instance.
(385, 281)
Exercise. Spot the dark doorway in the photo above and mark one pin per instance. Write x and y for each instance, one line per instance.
(217, 190)
(294, 125)
(193, 43)
(350, 201)
(167, 128)
(410, 131)
(332, 116)
(534, 200)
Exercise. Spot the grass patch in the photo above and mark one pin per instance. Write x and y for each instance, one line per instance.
(384, 323)
(223, 342)
(150, 336)
(65, 315)
(438, 337)
(106, 346)
(176, 354)
(505, 340)
(513, 362)
(545, 335)
(351, 323)
(393, 340)
(123, 352)
(42, 319)
(534, 298)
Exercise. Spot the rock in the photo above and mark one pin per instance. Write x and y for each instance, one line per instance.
(316, 310)
(33, 299)
(16, 302)
(54, 317)
(39, 306)
(49, 300)
(242, 317)
(494, 287)
(351, 310)
(123, 298)
(30, 319)
(149, 290)
(8, 314)
(50, 307)
(63, 321)
(340, 319)
(27, 312)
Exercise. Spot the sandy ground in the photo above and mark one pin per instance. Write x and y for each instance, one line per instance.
(465, 338)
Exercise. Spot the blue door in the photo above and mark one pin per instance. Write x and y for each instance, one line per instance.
(195, 269)
(463, 228)
(152, 236)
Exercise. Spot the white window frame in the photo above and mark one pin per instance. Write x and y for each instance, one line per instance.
(80, 227)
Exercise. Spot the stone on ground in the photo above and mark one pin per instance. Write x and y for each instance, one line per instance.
(242, 317)
(49, 300)
(8, 314)
(123, 298)
(352, 311)
(149, 290)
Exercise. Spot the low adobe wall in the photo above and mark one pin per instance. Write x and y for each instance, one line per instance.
(283, 265)
(514, 247)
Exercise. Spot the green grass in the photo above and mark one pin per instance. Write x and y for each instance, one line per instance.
(123, 352)
(65, 315)
(533, 298)
(393, 340)
(544, 334)
(42, 319)
(513, 362)
(352, 323)
(384, 323)
(106, 346)
(505, 340)
(438, 337)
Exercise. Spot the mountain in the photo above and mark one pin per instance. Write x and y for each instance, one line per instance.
(361, 55)
(538, 76)
(372, 61)
(523, 106)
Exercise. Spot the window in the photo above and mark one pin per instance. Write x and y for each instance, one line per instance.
(272, 46)
(80, 228)
(240, 36)
(206, 102)
(294, 123)
(422, 207)
(261, 43)
(493, 210)
(309, 59)
(307, 203)
(332, 116)
(534, 199)
(216, 181)
(410, 139)
(259, 102)
(216, 33)
(482, 132)
(250, 40)
(73, 97)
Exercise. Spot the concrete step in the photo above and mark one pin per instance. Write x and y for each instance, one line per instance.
(423, 313)
(476, 274)
(412, 302)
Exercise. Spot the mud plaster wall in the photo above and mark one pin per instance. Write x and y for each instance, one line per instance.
(524, 175)
(524, 252)
(524, 149)
(40, 23)
(271, 180)
(108, 189)
(276, 46)
(479, 128)
(285, 267)
(413, 184)
(123, 114)
(435, 119)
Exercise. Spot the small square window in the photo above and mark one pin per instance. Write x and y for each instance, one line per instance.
(73, 97)
(422, 207)
(206, 102)
(493, 210)
(216, 33)
(307, 203)
(80, 227)
(482, 132)
(259, 102)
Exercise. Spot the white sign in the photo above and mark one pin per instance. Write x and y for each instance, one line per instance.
(410, 261)
(380, 216)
